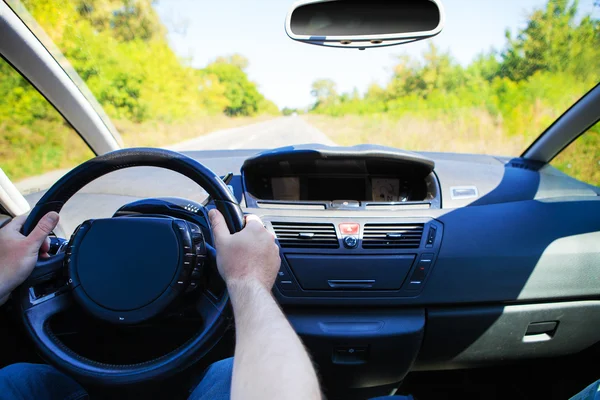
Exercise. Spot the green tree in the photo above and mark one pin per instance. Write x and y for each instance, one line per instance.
(125, 19)
(324, 90)
(241, 93)
(288, 111)
(120, 49)
(513, 94)
(553, 41)
(235, 59)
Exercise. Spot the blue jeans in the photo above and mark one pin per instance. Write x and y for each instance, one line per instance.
(38, 381)
(216, 382)
(43, 382)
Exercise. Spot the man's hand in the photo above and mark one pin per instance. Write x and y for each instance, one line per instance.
(250, 255)
(270, 361)
(18, 253)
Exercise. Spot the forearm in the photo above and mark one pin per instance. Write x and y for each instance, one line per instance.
(270, 360)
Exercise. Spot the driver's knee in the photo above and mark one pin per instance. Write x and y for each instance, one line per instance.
(38, 381)
(216, 382)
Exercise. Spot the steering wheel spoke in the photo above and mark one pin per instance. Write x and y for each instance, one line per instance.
(47, 282)
(47, 269)
(38, 308)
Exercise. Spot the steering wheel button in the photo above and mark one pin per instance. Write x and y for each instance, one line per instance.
(200, 248)
(196, 232)
(196, 273)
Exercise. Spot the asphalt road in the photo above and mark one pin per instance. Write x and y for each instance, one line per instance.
(278, 132)
(284, 131)
(101, 198)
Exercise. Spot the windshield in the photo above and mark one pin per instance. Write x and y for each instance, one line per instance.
(170, 72)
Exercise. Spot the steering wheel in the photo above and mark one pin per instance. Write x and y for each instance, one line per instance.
(125, 270)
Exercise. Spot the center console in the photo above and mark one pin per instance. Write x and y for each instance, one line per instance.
(331, 259)
(345, 264)
(362, 260)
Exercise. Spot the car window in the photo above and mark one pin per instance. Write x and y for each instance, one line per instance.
(37, 145)
(170, 71)
(581, 159)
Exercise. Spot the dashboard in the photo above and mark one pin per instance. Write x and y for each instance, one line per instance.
(427, 261)
(415, 261)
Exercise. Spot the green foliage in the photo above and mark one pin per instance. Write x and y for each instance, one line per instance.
(289, 111)
(553, 41)
(242, 95)
(33, 136)
(235, 59)
(325, 92)
(120, 50)
(544, 69)
(582, 157)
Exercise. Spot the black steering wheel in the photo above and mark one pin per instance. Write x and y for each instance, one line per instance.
(124, 270)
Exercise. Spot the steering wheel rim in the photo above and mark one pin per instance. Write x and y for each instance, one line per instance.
(36, 316)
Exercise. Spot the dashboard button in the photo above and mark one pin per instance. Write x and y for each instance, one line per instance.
(349, 228)
(420, 273)
(286, 285)
(350, 242)
(345, 204)
(283, 274)
(430, 237)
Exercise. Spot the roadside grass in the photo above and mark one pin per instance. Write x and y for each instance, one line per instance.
(475, 131)
(45, 146)
(478, 133)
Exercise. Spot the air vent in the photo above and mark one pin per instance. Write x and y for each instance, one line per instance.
(521, 166)
(521, 163)
(305, 235)
(392, 236)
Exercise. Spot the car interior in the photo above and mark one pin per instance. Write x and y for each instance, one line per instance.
(441, 275)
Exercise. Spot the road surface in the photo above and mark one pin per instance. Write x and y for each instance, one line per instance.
(278, 132)
(101, 198)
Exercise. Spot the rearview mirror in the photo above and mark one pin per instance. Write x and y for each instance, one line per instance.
(362, 24)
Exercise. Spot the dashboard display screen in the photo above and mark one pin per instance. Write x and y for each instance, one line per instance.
(385, 189)
(319, 179)
(335, 189)
(315, 188)
(287, 189)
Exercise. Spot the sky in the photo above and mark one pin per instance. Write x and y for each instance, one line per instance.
(201, 30)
